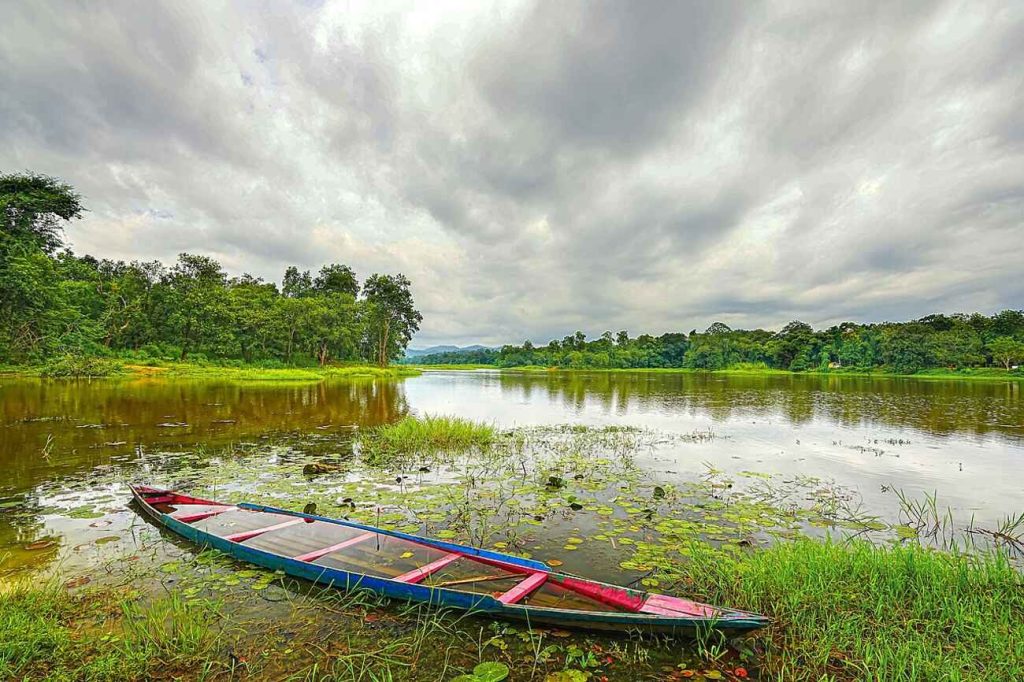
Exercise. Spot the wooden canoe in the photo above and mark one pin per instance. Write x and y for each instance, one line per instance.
(350, 555)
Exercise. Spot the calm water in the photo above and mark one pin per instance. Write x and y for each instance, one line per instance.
(963, 440)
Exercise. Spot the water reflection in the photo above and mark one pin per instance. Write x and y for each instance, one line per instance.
(931, 406)
(49, 429)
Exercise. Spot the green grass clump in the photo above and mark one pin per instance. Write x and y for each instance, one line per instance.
(424, 435)
(860, 611)
(48, 634)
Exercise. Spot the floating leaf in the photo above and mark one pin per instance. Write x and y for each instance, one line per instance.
(490, 671)
(405, 555)
(554, 563)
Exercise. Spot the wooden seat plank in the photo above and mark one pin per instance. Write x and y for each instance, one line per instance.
(524, 588)
(246, 534)
(317, 553)
(418, 574)
(191, 518)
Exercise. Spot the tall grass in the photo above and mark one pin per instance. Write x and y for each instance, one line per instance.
(426, 435)
(46, 633)
(859, 611)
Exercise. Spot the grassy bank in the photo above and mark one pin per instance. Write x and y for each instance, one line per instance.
(840, 612)
(46, 633)
(860, 611)
(449, 367)
(971, 374)
(72, 367)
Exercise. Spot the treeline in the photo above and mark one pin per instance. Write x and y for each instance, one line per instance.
(937, 341)
(477, 356)
(54, 303)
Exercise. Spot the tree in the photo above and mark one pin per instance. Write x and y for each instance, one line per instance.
(336, 279)
(34, 208)
(33, 311)
(1006, 350)
(392, 316)
(333, 327)
(296, 284)
(251, 306)
(199, 310)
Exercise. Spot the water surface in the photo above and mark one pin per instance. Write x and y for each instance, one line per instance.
(66, 447)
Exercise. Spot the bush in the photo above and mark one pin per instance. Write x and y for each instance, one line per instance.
(79, 367)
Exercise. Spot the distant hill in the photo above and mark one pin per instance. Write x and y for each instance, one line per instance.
(437, 350)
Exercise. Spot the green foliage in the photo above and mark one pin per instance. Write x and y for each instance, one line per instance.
(1006, 350)
(78, 366)
(481, 356)
(392, 316)
(955, 342)
(57, 304)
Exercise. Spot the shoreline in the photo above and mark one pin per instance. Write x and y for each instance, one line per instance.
(981, 374)
(102, 368)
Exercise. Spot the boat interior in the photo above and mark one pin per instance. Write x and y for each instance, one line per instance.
(358, 551)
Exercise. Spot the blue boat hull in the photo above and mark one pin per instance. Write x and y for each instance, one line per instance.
(478, 604)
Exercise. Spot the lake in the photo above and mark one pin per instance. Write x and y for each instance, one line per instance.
(66, 448)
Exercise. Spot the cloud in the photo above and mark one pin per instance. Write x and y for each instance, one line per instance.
(537, 168)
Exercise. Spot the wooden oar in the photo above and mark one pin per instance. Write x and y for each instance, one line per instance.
(478, 579)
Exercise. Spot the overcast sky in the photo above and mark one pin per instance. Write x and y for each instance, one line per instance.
(541, 167)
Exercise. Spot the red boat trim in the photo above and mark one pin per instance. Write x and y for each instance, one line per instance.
(418, 574)
(524, 588)
(317, 553)
(159, 500)
(191, 518)
(246, 534)
(606, 594)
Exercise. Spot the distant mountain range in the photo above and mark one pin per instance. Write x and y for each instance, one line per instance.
(420, 352)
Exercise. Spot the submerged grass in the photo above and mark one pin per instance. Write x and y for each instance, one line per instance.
(861, 611)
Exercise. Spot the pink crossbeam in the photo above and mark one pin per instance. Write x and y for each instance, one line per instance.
(191, 518)
(523, 589)
(246, 534)
(663, 605)
(418, 574)
(323, 551)
(162, 499)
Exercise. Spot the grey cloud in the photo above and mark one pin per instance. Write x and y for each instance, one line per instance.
(544, 167)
